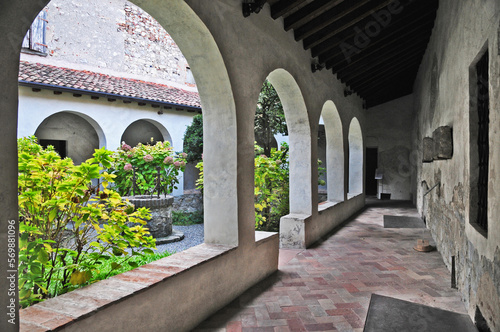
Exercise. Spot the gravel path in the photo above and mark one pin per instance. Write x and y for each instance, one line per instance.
(193, 235)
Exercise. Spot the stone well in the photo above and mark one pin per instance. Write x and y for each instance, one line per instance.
(160, 225)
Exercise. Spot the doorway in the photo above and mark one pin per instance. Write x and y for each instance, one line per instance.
(371, 185)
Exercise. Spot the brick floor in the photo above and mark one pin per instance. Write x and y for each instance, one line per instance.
(328, 287)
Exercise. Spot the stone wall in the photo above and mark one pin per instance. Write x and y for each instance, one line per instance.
(113, 35)
(149, 49)
(191, 201)
(463, 31)
(387, 129)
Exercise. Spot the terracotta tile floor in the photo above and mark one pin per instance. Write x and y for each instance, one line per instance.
(328, 287)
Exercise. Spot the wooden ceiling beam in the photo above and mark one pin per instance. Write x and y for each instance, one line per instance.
(396, 33)
(360, 76)
(372, 79)
(378, 48)
(369, 86)
(408, 15)
(337, 27)
(381, 57)
(329, 17)
(283, 7)
(309, 12)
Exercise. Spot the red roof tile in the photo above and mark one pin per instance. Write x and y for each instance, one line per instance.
(92, 81)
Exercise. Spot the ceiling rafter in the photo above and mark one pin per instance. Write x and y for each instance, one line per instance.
(397, 33)
(283, 7)
(404, 19)
(375, 51)
(327, 18)
(309, 12)
(382, 69)
(347, 22)
(361, 76)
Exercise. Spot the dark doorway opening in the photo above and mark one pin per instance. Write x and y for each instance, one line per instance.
(371, 185)
(59, 146)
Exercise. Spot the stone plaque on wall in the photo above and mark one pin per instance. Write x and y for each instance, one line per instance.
(428, 148)
(443, 143)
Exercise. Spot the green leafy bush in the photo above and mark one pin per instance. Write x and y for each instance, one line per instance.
(272, 189)
(182, 218)
(145, 162)
(68, 226)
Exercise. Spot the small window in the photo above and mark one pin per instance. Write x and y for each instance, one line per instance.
(189, 76)
(34, 41)
(483, 109)
(479, 118)
(59, 146)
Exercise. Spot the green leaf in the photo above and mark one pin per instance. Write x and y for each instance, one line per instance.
(148, 251)
(43, 256)
(115, 266)
(80, 277)
(53, 214)
(36, 269)
(133, 264)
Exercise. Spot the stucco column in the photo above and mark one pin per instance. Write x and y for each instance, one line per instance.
(9, 66)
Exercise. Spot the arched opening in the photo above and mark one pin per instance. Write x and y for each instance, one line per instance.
(271, 164)
(206, 64)
(355, 159)
(334, 154)
(299, 133)
(72, 134)
(145, 132)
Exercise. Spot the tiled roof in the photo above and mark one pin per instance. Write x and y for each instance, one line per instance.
(105, 84)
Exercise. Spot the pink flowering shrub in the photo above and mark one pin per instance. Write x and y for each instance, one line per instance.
(148, 158)
(144, 162)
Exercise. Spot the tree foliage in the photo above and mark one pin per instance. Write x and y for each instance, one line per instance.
(269, 117)
(193, 139)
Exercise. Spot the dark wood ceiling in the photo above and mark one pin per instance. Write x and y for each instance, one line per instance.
(374, 46)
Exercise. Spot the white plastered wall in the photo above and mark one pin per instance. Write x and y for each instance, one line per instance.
(109, 119)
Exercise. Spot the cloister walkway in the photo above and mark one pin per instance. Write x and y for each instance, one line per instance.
(328, 287)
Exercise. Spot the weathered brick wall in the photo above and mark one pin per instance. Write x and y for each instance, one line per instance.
(149, 49)
(111, 35)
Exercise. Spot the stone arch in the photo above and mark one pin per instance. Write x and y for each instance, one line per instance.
(356, 158)
(202, 53)
(80, 133)
(334, 152)
(299, 133)
(141, 131)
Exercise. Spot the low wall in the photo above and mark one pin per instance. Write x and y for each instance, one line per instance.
(299, 231)
(175, 293)
(331, 215)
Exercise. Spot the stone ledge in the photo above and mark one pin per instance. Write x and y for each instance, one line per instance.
(351, 196)
(261, 237)
(328, 205)
(63, 310)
